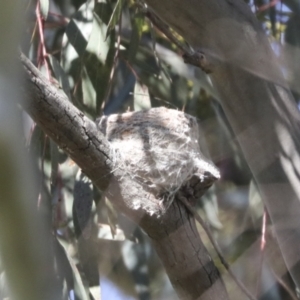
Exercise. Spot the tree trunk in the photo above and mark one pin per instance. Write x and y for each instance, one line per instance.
(258, 105)
(194, 277)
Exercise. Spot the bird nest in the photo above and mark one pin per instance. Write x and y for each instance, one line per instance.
(158, 148)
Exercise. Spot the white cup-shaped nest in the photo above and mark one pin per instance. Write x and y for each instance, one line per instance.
(158, 147)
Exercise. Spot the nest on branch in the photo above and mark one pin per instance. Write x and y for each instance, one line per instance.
(159, 148)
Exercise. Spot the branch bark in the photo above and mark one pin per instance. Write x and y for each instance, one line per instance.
(257, 103)
(173, 232)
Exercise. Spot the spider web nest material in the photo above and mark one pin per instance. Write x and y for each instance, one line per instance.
(158, 148)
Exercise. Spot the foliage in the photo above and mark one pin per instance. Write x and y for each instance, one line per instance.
(108, 58)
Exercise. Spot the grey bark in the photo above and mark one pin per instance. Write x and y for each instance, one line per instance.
(258, 105)
(173, 233)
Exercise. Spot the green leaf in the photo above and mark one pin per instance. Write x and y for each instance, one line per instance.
(112, 216)
(141, 97)
(76, 38)
(82, 205)
(99, 56)
(3, 285)
(179, 91)
(44, 7)
(210, 206)
(79, 28)
(88, 91)
(36, 142)
(79, 288)
(60, 75)
(106, 232)
(65, 291)
(54, 166)
(137, 22)
(115, 17)
(159, 64)
(98, 44)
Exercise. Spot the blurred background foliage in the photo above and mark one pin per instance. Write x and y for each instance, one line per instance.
(109, 58)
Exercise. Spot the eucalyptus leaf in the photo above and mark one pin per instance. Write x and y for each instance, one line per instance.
(137, 22)
(179, 91)
(98, 44)
(65, 291)
(112, 217)
(82, 205)
(210, 206)
(44, 7)
(4, 289)
(54, 166)
(79, 288)
(141, 97)
(98, 58)
(256, 205)
(88, 90)
(114, 19)
(159, 64)
(76, 38)
(106, 232)
(79, 28)
(60, 75)
(36, 142)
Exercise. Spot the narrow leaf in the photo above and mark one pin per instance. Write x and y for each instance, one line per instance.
(4, 291)
(112, 217)
(76, 38)
(98, 44)
(159, 64)
(82, 205)
(137, 22)
(44, 7)
(60, 75)
(105, 233)
(79, 28)
(141, 97)
(79, 288)
(99, 56)
(88, 91)
(115, 16)
(54, 166)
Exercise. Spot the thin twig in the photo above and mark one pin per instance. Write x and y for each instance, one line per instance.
(63, 18)
(267, 6)
(112, 72)
(164, 28)
(42, 48)
(131, 69)
(215, 245)
(190, 56)
(262, 249)
(284, 286)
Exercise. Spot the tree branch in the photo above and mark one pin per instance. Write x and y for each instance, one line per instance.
(173, 232)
